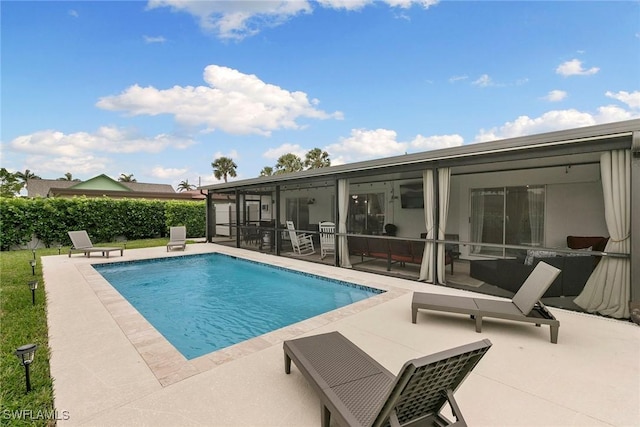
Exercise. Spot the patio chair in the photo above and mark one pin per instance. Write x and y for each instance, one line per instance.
(82, 243)
(177, 238)
(524, 307)
(302, 243)
(327, 238)
(356, 390)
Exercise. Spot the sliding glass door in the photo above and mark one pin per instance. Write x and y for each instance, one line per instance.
(507, 216)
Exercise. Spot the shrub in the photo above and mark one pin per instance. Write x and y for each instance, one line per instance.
(104, 219)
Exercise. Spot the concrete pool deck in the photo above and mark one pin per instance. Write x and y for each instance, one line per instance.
(111, 368)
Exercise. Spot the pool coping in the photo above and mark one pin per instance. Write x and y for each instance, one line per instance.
(169, 365)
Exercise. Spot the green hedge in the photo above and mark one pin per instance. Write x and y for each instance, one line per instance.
(104, 219)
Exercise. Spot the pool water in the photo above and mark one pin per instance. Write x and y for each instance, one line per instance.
(202, 303)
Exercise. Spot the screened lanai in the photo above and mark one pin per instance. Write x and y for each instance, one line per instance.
(476, 217)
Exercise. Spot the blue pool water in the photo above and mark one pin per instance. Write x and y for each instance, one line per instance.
(202, 303)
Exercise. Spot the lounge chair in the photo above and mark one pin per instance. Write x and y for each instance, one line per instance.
(356, 390)
(82, 243)
(524, 307)
(177, 238)
(327, 238)
(302, 243)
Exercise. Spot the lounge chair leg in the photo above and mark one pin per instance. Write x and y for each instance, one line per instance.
(325, 416)
(287, 364)
(414, 315)
(554, 334)
(478, 323)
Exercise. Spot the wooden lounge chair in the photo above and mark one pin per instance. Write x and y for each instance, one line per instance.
(356, 390)
(82, 243)
(302, 243)
(524, 307)
(177, 238)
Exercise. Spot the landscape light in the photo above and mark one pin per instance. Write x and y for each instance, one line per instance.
(25, 354)
(33, 285)
(59, 249)
(33, 251)
(33, 266)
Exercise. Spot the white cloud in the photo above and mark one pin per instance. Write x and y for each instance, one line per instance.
(154, 39)
(435, 142)
(275, 153)
(483, 81)
(168, 173)
(366, 144)
(233, 102)
(105, 139)
(631, 99)
(574, 68)
(240, 19)
(74, 13)
(554, 120)
(236, 19)
(59, 165)
(454, 79)
(233, 154)
(556, 95)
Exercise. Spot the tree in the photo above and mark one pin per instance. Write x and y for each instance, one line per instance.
(185, 186)
(127, 178)
(224, 167)
(288, 163)
(316, 158)
(266, 171)
(10, 184)
(68, 177)
(25, 176)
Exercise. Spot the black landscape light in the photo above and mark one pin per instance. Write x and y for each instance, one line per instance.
(59, 249)
(33, 266)
(33, 285)
(25, 354)
(33, 251)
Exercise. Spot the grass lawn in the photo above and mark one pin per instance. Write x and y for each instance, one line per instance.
(22, 322)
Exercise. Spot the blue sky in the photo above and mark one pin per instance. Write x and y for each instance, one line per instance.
(160, 89)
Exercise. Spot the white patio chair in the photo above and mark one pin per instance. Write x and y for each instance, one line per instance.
(302, 243)
(327, 238)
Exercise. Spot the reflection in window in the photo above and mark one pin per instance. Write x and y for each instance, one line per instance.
(366, 213)
(507, 215)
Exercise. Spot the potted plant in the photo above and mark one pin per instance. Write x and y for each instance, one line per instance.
(390, 229)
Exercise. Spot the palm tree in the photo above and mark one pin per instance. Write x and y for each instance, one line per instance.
(316, 158)
(26, 176)
(9, 183)
(224, 167)
(185, 186)
(127, 178)
(68, 177)
(266, 171)
(288, 163)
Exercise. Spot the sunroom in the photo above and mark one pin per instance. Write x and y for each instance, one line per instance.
(477, 217)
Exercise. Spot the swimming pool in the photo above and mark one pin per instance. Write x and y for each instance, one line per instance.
(203, 303)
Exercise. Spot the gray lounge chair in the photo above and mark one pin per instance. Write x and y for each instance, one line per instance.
(356, 390)
(177, 238)
(524, 307)
(82, 243)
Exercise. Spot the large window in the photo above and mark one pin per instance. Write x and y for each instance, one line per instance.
(366, 213)
(298, 212)
(507, 216)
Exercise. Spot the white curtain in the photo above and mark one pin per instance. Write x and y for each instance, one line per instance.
(536, 215)
(444, 177)
(608, 289)
(343, 210)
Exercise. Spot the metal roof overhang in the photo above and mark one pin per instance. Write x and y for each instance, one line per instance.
(561, 148)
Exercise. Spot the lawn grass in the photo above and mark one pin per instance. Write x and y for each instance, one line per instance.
(22, 322)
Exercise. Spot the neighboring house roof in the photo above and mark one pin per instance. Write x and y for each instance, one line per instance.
(104, 186)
